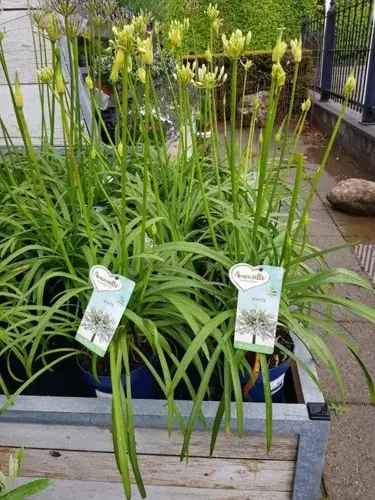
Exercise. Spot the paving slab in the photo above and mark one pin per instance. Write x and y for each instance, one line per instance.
(353, 293)
(349, 469)
(321, 224)
(344, 257)
(361, 336)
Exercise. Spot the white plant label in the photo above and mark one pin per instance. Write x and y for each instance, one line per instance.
(245, 277)
(277, 384)
(105, 309)
(259, 291)
(103, 280)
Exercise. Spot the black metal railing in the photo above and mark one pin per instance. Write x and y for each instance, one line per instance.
(313, 36)
(343, 41)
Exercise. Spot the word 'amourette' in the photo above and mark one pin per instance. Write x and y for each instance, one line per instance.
(111, 282)
(255, 276)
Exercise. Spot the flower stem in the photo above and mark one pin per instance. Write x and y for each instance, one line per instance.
(232, 157)
(125, 92)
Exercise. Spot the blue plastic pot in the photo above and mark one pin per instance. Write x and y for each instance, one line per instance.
(144, 385)
(277, 376)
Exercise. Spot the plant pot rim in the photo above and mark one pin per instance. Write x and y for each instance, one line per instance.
(288, 417)
(152, 359)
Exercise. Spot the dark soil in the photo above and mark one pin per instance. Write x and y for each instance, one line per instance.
(103, 364)
(66, 377)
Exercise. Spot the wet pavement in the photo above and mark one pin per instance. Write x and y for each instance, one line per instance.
(350, 462)
(356, 230)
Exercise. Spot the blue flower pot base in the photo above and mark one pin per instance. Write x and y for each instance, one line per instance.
(143, 383)
(277, 377)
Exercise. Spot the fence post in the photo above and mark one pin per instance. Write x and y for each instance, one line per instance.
(368, 115)
(327, 62)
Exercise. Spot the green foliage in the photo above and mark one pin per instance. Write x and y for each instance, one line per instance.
(20, 492)
(261, 18)
(173, 220)
(259, 79)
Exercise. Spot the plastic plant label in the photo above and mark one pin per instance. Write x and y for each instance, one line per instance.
(277, 384)
(105, 309)
(259, 290)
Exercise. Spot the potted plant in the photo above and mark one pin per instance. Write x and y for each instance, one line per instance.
(202, 217)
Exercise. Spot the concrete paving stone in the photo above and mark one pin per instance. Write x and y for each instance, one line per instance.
(361, 336)
(353, 293)
(317, 204)
(340, 258)
(320, 223)
(349, 292)
(349, 472)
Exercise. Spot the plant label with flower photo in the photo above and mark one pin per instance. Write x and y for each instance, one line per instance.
(259, 291)
(105, 309)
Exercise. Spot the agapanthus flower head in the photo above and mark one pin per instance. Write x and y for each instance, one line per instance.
(214, 17)
(64, 7)
(18, 97)
(52, 28)
(176, 32)
(208, 55)
(141, 73)
(109, 7)
(140, 23)
(256, 103)
(212, 11)
(85, 33)
(45, 75)
(124, 38)
(39, 17)
(210, 79)
(350, 85)
(247, 64)
(278, 74)
(146, 50)
(158, 27)
(296, 46)
(279, 49)
(123, 45)
(59, 78)
(306, 105)
(89, 82)
(74, 27)
(185, 73)
(91, 5)
(279, 133)
(236, 45)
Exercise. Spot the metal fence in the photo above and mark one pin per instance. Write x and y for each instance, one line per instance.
(342, 39)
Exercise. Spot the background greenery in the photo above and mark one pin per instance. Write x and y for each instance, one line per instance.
(263, 18)
(259, 78)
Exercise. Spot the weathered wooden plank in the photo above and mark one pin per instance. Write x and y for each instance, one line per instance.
(78, 490)
(19, 48)
(33, 115)
(228, 474)
(149, 441)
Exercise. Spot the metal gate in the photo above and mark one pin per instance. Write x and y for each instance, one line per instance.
(342, 39)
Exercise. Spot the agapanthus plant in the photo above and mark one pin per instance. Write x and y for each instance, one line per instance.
(69, 205)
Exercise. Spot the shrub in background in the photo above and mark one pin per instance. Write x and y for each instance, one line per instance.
(259, 79)
(263, 18)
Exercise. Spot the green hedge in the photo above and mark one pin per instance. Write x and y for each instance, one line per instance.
(262, 17)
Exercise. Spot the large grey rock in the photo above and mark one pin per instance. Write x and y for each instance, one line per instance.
(354, 196)
(248, 103)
